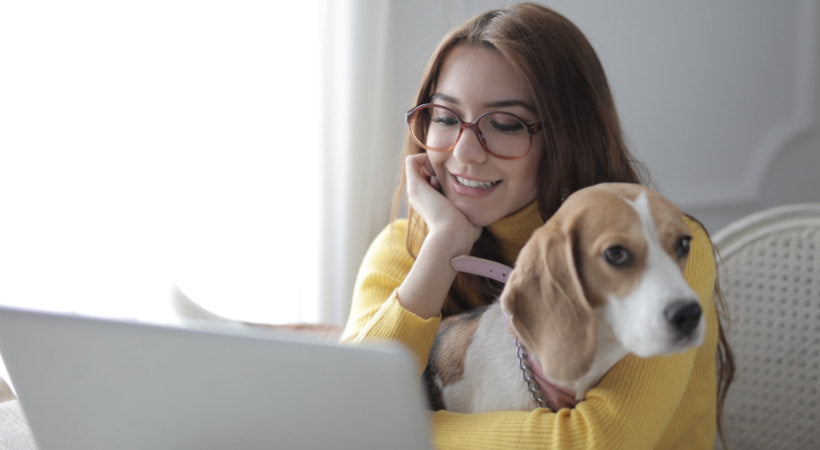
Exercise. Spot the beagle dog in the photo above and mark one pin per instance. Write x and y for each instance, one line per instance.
(600, 279)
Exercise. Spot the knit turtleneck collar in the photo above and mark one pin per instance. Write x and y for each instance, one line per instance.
(513, 231)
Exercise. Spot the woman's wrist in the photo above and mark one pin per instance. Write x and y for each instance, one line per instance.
(425, 288)
(449, 243)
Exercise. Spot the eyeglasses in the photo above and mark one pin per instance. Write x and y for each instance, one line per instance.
(501, 134)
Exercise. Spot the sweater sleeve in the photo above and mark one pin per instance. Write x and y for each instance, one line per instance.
(638, 403)
(376, 314)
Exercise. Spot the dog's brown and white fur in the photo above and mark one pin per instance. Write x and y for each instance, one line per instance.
(601, 279)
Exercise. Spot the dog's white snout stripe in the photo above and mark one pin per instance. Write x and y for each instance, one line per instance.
(663, 311)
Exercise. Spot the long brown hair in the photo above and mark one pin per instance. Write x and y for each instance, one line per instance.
(582, 139)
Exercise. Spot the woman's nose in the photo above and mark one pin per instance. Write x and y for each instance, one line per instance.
(468, 149)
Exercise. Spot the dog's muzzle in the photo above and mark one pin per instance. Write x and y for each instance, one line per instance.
(683, 315)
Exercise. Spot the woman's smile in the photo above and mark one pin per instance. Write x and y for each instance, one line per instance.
(472, 187)
(475, 183)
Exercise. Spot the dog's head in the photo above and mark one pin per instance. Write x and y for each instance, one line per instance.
(616, 248)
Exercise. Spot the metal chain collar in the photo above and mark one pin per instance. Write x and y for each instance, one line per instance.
(532, 385)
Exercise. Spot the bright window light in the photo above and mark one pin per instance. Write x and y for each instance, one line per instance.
(149, 143)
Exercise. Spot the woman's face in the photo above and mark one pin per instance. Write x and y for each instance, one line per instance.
(472, 81)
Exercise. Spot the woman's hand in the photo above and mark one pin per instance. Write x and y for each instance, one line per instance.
(450, 234)
(444, 220)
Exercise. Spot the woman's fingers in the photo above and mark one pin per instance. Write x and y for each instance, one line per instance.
(435, 184)
(424, 190)
(425, 197)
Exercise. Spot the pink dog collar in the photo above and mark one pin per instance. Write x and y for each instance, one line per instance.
(481, 267)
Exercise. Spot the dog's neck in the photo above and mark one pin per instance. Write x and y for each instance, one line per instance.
(567, 394)
(608, 351)
(545, 392)
(548, 394)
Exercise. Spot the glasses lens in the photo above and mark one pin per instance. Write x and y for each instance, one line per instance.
(435, 127)
(505, 134)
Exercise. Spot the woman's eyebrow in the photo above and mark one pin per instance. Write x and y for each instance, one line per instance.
(508, 103)
(497, 104)
(444, 97)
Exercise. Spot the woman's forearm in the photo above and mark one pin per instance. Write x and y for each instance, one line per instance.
(425, 288)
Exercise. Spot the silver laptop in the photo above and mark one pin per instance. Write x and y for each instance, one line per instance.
(90, 383)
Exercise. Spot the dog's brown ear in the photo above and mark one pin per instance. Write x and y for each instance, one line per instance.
(547, 306)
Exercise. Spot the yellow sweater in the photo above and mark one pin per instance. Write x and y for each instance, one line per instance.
(641, 403)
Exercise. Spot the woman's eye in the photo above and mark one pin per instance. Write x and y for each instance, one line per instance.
(682, 246)
(445, 120)
(507, 126)
(618, 256)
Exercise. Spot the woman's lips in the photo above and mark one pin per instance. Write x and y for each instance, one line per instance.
(475, 183)
(470, 187)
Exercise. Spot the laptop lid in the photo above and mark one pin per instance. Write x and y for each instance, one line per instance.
(92, 383)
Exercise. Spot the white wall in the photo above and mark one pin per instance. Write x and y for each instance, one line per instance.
(719, 99)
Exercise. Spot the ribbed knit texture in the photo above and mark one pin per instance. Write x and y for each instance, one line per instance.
(641, 403)
(514, 231)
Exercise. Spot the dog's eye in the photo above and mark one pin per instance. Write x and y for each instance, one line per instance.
(682, 246)
(617, 256)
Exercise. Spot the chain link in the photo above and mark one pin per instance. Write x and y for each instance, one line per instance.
(532, 385)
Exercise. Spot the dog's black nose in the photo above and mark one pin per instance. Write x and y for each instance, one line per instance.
(683, 315)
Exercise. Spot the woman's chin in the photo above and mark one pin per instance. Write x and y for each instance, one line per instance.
(478, 216)
(481, 212)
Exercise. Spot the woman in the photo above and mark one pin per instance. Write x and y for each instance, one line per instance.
(514, 113)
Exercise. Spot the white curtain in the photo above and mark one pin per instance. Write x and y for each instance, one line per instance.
(358, 152)
(377, 51)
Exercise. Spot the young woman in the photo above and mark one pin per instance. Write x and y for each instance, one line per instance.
(514, 113)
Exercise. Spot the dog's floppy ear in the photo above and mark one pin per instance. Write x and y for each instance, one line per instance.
(547, 306)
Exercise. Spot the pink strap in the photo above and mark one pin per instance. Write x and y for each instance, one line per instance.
(481, 267)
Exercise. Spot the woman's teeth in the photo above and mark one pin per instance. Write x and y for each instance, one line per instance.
(476, 184)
